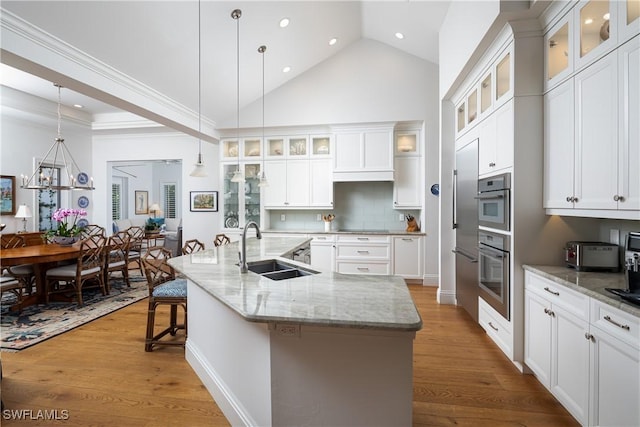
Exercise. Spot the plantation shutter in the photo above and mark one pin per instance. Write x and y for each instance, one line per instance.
(169, 200)
(115, 201)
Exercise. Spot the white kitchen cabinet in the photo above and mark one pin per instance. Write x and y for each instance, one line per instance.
(496, 136)
(558, 48)
(288, 184)
(363, 154)
(628, 19)
(321, 183)
(629, 139)
(407, 183)
(586, 352)
(566, 372)
(363, 254)
(499, 329)
(559, 146)
(323, 252)
(596, 30)
(241, 202)
(407, 256)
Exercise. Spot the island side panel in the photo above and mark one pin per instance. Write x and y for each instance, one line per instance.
(232, 358)
(337, 376)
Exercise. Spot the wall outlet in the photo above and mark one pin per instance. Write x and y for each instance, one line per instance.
(319, 217)
(283, 217)
(288, 330)
(400, 217)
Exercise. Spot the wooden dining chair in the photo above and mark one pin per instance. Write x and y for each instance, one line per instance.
(23, 273)
(164, 288)
(91, 230)
(88, 266)
(116, 258)
(221, 239)
(191, 246)
(135, 247)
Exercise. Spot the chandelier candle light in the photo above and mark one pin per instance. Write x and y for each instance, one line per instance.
(39, 180)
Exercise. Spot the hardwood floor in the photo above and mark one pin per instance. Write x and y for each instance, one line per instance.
(102, 376)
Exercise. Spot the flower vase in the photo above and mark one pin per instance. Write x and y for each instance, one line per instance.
(64, 240)
(327, 226)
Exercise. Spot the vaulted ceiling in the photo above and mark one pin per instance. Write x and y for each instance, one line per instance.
(156, 43)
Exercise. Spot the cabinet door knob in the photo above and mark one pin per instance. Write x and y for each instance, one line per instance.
(491, 165)
(569, 199)
(618, 198)
(589, 337)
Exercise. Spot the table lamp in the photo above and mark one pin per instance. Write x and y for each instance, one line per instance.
(155, 208)
(23, 212)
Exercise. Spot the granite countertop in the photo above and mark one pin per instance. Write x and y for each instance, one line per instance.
(374, 232)
(589, 283)
(324, 299)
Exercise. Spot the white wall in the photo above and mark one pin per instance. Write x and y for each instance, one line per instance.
(159, 146)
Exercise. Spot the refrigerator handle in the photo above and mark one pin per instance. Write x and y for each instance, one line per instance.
(454, 216)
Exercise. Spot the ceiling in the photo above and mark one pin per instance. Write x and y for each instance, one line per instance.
(156, 43)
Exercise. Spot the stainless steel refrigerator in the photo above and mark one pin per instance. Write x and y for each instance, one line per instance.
(465, 222)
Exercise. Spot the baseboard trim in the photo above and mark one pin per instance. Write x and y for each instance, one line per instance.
(446, 297)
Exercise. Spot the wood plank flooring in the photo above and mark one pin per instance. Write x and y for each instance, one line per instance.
(102, 376)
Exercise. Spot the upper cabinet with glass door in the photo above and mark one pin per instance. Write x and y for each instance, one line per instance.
(503, 73)
(251, 148)
(321, 146)
(486, 94)
(298, 146)
(230, 149)
(275, 147)
(406, 143)
(596, 29)
(559, 50)
(628, 19)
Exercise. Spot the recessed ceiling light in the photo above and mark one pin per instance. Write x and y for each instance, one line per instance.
(78, 106)
(286, 69)
(333, 41)
(399, 35)
(588, 21)
(606, 16)
(284, 22)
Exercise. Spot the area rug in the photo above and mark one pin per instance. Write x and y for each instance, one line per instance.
(40, 322)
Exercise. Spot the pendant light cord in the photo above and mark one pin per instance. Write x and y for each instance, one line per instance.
(199, 88)
(237, 18)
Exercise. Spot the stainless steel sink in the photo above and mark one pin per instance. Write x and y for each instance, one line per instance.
(277, 270)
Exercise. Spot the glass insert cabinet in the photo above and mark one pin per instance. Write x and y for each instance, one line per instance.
(241, 201)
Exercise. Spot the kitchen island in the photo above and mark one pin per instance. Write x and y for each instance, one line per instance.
(322, 349)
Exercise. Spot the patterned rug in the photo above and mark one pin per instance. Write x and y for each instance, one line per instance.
(40, 322)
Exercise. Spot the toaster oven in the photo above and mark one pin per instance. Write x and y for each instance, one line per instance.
(592, 256)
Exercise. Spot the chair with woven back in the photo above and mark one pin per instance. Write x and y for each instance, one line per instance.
(23, 274)
(135, 247)
(164, 289)
(91, 230)
(191, 246)
(116, 258)
(89, 266)
(221, 240)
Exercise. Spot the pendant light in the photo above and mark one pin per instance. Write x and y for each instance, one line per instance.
(199, 171)
(238, 176)
(263, 176)
(58, 156)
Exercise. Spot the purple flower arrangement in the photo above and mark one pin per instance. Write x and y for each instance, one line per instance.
(67, 222)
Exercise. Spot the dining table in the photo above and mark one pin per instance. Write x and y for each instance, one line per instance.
(42, 257)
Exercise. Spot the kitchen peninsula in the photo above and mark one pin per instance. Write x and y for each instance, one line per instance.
(321, 349)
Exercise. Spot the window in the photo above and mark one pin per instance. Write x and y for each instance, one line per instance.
(116, 197)
(169, 200)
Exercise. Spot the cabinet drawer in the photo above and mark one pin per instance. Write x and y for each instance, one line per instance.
(323, 238)
(350, 238)
(363, 251)
(496, 326)
(619, 324)
(572, 301)
(345, 267)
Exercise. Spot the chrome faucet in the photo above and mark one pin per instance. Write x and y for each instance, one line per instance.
(243, 254)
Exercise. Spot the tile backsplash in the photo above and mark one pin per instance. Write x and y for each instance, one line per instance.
(357, 206)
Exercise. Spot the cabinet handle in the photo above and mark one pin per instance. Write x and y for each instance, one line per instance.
(363, 252)
(286, 203)
(551, 292)
(569, 199)
(589, 337)
(363, 268)
(575, 199)
(493, 327)
(363, 238)
(608, 319)
(407, 239)
(549, 312)
(491, 165)
(618, 198)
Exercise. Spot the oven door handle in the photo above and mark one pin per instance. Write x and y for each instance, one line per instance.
(495, 253)
(485, 196)
(469, 257)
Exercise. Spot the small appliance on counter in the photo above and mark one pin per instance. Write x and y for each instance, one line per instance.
(631, 269)
(592, 256)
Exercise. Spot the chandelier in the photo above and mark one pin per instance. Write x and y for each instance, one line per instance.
(58, 156)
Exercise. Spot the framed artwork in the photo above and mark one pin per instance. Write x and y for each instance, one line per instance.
(142, 202)
(204, 201)
(8, 195)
